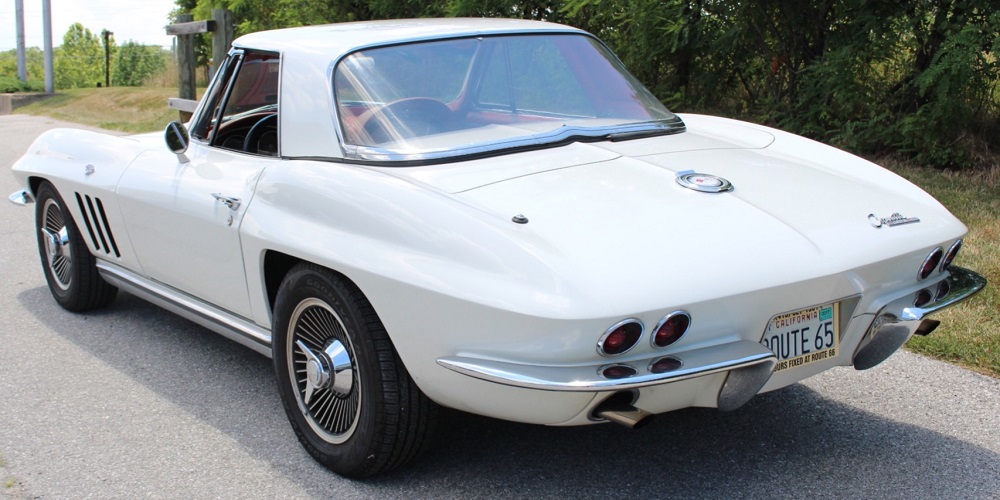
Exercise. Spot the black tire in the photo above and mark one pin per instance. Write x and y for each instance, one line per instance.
(360, 422)
(70, 268)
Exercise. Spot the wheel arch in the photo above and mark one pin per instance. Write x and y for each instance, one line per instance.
(277, 264)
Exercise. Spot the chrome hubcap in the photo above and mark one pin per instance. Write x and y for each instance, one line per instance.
(321, 367)
(329, 369)
(55, 238)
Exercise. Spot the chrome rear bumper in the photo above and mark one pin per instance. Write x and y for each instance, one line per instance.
(749, 365)
(899, 320)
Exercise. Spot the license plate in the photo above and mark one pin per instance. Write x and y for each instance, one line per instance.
(805, 336)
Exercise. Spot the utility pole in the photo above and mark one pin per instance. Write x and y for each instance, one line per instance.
(50, 76)
(107, 57)
(22, 65)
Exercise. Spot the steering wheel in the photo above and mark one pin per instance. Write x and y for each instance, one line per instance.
(405, 118)
(251, 143)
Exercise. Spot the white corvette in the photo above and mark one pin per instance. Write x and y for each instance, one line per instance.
(492, 216)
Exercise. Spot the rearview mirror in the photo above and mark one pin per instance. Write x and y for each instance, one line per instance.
(177, 138)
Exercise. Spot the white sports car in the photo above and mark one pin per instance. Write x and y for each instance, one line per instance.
(492, 216)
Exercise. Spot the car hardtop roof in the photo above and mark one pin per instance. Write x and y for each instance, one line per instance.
(333, 40)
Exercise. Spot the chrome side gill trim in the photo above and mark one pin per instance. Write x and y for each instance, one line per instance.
(693, 363)
(226, 324)
(21, 198)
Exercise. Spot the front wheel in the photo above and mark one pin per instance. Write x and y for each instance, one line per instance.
(70, 268)
(349, 399)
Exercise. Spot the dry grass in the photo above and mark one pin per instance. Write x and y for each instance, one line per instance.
(128, 109)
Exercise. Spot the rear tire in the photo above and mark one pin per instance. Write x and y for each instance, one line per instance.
(346, 393)
(70, 268)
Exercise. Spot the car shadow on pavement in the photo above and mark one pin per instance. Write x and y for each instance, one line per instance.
(790, 443)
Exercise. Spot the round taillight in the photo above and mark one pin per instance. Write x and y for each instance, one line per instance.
(615, 372)
(923, 298)
(671, 328)
(949, 256)
(665, 364)
(942, 290)
(930, 263)
(620, 338)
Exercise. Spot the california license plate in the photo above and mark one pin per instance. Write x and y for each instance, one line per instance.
(805, 336)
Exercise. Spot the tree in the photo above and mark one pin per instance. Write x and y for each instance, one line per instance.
(135, 63)
(920, 79)
(79, 62)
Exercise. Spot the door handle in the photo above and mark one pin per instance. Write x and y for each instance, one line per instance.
(232, 203)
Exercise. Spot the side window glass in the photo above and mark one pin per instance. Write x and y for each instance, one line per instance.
(244, 117)
(205, 125)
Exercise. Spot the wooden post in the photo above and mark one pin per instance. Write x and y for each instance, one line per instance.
(222, 37)
(185, 65)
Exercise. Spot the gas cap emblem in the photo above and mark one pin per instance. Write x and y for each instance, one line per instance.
(705, 183)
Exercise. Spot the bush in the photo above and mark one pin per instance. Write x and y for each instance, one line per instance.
(10, 84)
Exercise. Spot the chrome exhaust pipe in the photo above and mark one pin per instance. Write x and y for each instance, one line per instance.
(618, 408)
(630, 417)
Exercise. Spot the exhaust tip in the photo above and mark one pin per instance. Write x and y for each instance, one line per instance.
(618, 409)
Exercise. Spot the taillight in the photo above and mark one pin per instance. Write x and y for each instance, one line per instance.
(671, 328)
(942, 290)
(665, 364)
(617, 371)
(620, 338)
(923, 298)
(950, 254)
(930, 263)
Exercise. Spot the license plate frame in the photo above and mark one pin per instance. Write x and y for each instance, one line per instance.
(804, 336)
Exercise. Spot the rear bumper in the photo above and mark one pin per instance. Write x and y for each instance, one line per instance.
(748, 366)
(899, 320)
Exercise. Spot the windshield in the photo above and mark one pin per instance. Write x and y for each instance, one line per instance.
(456, 97)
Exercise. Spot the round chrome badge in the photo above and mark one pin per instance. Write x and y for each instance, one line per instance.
(706, 183)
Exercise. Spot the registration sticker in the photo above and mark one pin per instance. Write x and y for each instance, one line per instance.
(805, 336)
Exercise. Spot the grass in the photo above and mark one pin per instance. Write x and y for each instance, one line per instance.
(969, 334)
(128, 109)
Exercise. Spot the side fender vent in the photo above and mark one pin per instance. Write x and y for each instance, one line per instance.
(97, 224)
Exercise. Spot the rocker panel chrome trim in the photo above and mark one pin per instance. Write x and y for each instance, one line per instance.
(228, 325)
(695, 363)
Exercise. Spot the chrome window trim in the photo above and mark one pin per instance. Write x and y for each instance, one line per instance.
(558, 137)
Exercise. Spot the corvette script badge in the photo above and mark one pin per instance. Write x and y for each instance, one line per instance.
(896, 219)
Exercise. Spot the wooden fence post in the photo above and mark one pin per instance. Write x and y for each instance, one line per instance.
(185, 65)
(222, 37)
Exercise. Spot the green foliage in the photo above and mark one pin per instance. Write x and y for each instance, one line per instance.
(34, 59)
(917, 79)
(134, 63)
(10, 84)
(79, 61)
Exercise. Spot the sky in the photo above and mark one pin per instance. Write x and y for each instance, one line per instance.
(141, 21)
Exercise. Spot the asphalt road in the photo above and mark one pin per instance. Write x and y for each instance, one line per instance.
(135, 402)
